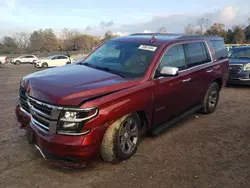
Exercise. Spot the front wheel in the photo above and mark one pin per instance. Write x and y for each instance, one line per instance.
(211, 99)
(45, 65)
(121, 139)
(17, 62)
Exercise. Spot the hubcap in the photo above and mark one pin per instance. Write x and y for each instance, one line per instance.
(128, 136)
(212, 98)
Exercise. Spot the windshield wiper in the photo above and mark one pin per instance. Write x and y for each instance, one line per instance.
(111, 71)
(104, 69)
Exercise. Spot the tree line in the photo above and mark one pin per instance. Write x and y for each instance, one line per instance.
(45, 40)
(238, 34)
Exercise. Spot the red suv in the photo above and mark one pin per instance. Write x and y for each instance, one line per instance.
(128, 86)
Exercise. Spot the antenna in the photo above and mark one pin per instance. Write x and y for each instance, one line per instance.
(153, 39)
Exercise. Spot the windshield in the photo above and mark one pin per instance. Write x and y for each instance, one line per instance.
(123, 58)
(240, 53)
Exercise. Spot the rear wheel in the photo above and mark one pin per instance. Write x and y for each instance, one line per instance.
(120, 140)
(211, 99)
(45, 65)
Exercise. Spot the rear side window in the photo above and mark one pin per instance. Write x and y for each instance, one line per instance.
(195, 54)
(62, 57)
(220, 49)
(174, 57)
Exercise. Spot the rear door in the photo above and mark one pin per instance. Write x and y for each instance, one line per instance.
(200, 68)
(29, 58)
(171, 94)
(62, 60)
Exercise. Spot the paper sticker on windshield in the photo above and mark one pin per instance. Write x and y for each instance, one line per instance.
(146, 47)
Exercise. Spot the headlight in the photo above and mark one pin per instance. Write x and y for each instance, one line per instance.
(72, 120)
(246, 66)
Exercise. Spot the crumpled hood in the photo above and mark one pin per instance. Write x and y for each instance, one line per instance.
(72, 84)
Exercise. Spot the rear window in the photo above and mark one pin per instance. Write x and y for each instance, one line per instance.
(220, 49)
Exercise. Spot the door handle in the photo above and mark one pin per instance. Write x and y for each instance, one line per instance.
(186, 80)
(211, 70)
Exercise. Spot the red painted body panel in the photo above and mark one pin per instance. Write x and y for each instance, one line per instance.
(160, 99)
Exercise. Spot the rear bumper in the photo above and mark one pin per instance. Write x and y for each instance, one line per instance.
(70, 151)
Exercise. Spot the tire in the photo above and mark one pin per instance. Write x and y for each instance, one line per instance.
(211, 99)
(17, 62)
(45, 65)
(33, 62)
(117, 138)
(68, 63)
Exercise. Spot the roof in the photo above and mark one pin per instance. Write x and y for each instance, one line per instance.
(162, 38)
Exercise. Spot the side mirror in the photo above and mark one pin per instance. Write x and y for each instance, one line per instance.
(169, 71)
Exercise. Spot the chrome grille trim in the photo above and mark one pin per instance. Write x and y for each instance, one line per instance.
(44, 117)
(45, 121)
(35, 122)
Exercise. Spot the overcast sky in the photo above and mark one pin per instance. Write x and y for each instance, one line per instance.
(97, 16)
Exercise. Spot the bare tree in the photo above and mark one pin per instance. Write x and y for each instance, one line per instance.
(67, 36)
(22, 40)
(202, 24)
(189, 29)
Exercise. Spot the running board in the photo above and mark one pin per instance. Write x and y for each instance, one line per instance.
(162, 127)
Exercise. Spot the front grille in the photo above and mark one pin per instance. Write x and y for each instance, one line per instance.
(23, 100)
(40, 107)
(235, 69)
(43, 115)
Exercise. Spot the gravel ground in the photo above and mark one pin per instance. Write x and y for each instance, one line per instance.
(201, 151)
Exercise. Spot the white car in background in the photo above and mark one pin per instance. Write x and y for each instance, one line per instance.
(24, 59)
(53, 61)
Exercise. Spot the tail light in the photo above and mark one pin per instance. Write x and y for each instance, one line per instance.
(6, 60)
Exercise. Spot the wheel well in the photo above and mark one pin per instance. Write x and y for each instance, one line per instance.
(143, 118)
(219, 82)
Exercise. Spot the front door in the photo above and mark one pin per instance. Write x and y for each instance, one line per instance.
(54, 61)
(171, 94)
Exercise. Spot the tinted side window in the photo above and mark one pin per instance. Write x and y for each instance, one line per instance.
(56, 57)
(29, 56)
(195, 54)
(206, 52)
(62, 57)
(174, 57)
(220, 49)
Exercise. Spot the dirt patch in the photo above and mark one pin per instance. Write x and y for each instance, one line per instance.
(202, 151)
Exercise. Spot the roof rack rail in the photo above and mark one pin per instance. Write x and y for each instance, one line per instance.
(178, 35)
